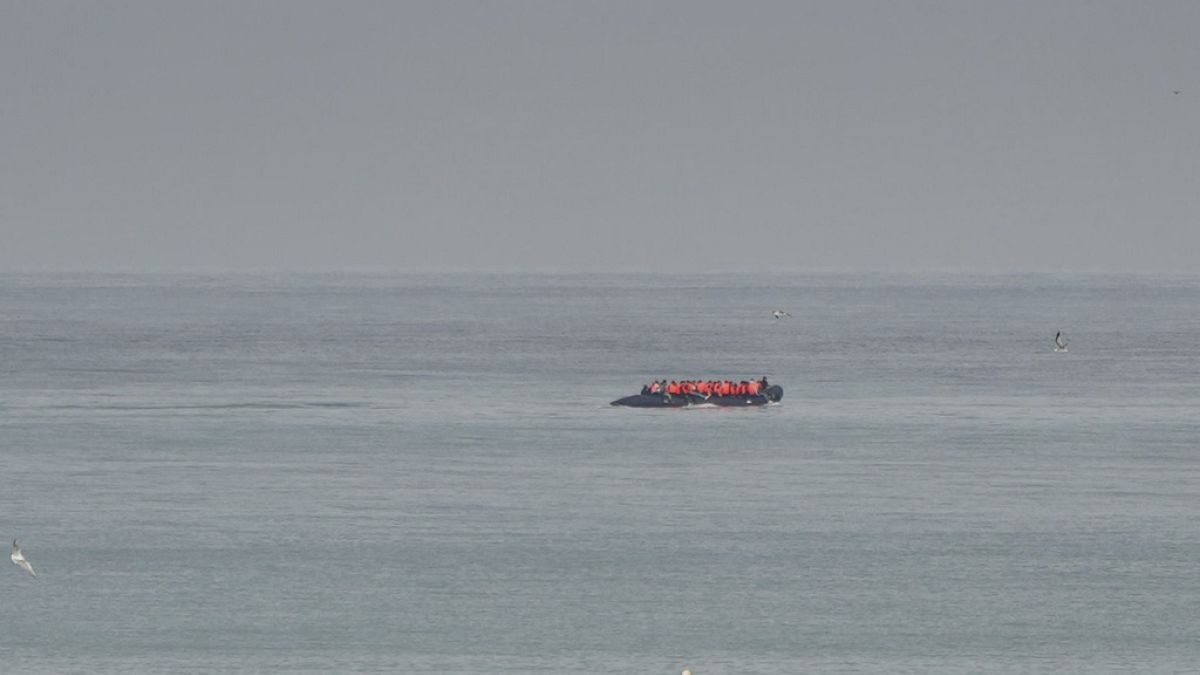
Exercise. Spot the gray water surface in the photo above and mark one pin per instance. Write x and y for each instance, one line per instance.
(373, 473)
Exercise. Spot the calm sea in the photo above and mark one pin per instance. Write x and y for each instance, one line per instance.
(409, 474)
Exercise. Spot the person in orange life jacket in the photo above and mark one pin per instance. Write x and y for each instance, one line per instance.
(753, 388)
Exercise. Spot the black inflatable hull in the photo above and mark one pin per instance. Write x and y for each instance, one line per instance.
(772, 394)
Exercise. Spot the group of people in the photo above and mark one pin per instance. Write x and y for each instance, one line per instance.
(707, 388)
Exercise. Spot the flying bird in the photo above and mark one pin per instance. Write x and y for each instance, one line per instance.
(1059, 344)
(19, 559)
(779, 314)
(1176, 91)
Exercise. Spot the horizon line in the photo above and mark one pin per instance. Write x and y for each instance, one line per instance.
(558, 271)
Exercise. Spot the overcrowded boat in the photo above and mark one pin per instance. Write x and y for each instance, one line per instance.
(725, 393)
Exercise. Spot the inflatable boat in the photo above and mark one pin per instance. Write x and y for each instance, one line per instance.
(772, 394)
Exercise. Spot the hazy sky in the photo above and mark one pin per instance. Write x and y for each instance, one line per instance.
(993, 136)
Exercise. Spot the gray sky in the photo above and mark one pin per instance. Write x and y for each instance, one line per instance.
(894, 136)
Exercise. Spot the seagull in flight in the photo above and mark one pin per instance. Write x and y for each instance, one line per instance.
(19, 559)
(779, 314)
(1059, 344)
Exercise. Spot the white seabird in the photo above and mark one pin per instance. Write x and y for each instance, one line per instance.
(779, 314)
(1059, 344)
(19, 559)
